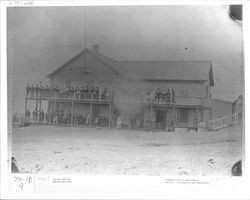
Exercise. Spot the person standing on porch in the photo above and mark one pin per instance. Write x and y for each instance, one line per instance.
(195, 123)
(87, 120)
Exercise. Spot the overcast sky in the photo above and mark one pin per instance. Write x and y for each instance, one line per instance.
(42, 39)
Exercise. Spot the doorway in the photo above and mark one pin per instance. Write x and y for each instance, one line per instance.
(161, 119)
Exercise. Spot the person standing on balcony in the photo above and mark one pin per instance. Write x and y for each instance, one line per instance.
(97, 93)
(92, 92)
(41, 91)
(173, 96)
(82, 93)
(46, 91)
(32, 90)
(27, 90)
(37, 90)
(157, 95)
(104, 94)
(87, 92)
(77, 92)
(168, 96)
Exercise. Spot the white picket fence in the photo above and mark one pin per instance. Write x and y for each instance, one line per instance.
(219, 123)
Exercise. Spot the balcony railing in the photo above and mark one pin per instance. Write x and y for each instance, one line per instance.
(141, 99)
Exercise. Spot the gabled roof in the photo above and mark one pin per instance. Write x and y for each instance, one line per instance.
(190, 70)
(167, 70)
(106, 61)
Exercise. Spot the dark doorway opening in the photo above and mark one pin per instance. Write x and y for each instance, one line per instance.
(161, 119)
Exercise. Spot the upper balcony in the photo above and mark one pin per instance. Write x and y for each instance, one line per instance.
(106, 98)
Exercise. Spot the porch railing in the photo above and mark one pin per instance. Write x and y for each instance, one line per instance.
(219, 123)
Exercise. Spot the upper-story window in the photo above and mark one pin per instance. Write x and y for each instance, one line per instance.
(207, 91)
(184, 92)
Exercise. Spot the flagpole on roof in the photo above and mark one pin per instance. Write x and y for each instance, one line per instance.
(85, 40)
(85, 28)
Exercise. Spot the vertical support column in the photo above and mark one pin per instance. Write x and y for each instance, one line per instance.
(54, 111)
(54, 107)
(210, 114)
(110, 114)
(90, 114)
(201, 118)
(151, 116)
(198, 119)
(197, 114)
(40, 105)
(174, 118)
(72, 112)
(25, 108)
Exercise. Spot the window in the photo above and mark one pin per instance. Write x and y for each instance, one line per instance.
(207, 91)
(184, 92)
(183, 116)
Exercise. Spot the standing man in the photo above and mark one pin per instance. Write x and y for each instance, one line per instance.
(195, 123)
(32, 90)
(47, 116)
(157, 95)
(27, 116)
(87, 120)
(173, 96)
(168, 96)
(37, 90)
(27, 90)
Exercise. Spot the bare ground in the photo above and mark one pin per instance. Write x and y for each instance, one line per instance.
(71, 150)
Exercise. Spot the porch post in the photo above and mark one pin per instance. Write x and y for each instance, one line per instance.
(210, 114)
(40, 104)
(54, 111)
(110, 114)
(197, 114)
(54, 107)
(151, 116)
(174, 118)
(72, 112)
(36, 103)
(25, 108)
(90, 114)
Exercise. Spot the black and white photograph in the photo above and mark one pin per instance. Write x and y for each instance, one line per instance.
(143, 90)
(140, 90)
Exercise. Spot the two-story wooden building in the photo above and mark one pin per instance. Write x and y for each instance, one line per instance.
(133, 85)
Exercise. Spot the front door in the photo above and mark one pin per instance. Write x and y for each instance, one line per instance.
(161, 119)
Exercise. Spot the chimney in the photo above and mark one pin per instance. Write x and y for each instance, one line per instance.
(96, 48)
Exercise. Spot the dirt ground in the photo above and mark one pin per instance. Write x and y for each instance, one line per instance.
(71, 150)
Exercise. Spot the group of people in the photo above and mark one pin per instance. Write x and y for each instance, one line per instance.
(136, 122)
(60, 118)
(84, 92)
(41, 91)
(164, 97)
(90, 92)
